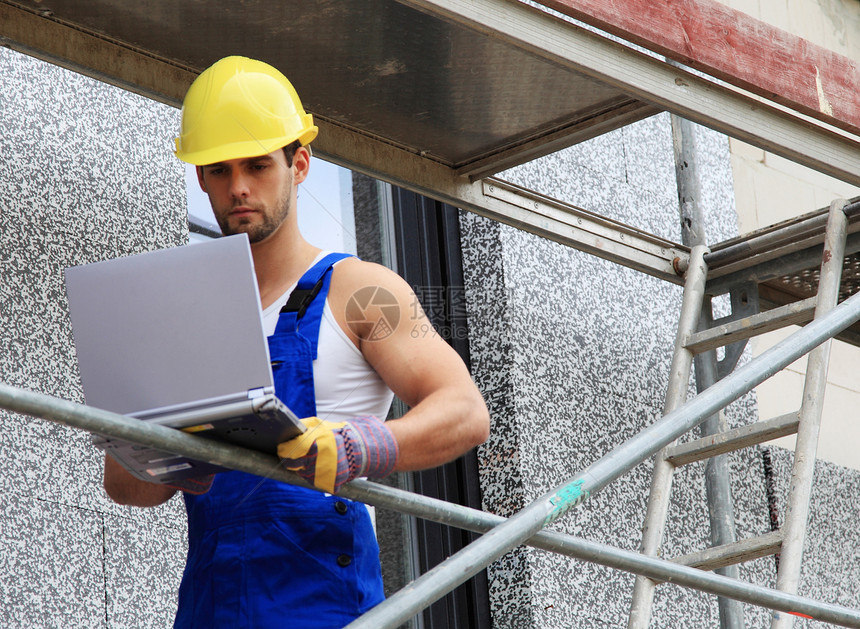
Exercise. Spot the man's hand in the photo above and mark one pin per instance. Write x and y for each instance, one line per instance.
(330, 454)
(125, 489)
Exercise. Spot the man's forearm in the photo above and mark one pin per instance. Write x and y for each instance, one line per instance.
(441, 428)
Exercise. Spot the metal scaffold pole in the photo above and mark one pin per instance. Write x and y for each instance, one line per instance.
(806, 444)
(717, 485)
(502, 535)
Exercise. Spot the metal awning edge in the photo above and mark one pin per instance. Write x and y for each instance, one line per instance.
(98, 57)
(643, 77)
(504, 202)
(580, 131)
(652, 80)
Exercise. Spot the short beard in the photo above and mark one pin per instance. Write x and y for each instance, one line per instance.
(261, 231)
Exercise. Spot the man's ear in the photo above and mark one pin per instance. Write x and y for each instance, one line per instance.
(301, 164)
(202, 183)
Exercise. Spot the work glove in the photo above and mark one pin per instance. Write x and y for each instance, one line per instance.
(196, 486)
(330, 454)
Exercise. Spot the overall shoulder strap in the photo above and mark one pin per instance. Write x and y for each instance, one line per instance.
(304, 308)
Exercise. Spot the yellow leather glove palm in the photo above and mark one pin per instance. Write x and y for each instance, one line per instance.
(316, 449)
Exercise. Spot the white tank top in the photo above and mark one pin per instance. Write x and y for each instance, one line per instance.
(344, 382)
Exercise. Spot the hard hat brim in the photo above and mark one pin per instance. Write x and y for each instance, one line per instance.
(239, 150)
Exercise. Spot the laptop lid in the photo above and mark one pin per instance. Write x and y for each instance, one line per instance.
(169, 328)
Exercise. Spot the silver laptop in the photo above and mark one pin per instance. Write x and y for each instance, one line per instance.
(176, 337)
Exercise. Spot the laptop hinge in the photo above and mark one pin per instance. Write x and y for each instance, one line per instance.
(260, 392)
(190, 406)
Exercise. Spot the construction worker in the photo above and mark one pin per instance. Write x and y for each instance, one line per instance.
(268, 554)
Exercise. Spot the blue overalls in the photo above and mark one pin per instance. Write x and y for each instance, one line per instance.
(267, 554)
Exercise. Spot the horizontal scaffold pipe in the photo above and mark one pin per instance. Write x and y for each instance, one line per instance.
(562, 499)
(80, 416)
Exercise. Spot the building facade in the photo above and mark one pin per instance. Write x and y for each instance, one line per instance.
(570, 351)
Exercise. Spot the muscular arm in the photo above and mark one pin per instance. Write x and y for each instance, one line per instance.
(447, 415)
(125, 489)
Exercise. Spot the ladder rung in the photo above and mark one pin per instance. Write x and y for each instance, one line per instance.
(731, 440)
(728, 333)
(736, 552)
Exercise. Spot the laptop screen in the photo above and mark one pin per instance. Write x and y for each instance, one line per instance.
(169, 327)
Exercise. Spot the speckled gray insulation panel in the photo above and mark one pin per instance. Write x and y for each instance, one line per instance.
(572, 354)
(86, 173)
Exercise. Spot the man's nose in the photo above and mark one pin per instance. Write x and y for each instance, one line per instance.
(238, 184)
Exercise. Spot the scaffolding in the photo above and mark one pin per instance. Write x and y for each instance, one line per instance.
(760, 270)
(526, 526)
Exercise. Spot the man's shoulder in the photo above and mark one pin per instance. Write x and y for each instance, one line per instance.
(351, 274)
(363, 292)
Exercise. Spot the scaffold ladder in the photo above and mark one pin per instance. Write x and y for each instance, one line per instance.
(789, 539)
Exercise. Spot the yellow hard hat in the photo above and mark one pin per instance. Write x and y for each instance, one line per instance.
(240, 107)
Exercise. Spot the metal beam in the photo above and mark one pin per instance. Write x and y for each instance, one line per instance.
(733, 553)
(583, 130)
(652, 80)
(731, 440)
(776, 241)
(503, 202)
(796, 313)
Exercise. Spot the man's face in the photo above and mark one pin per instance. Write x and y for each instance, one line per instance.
(250, 195)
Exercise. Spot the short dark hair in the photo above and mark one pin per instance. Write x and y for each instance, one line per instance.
(290, 152)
